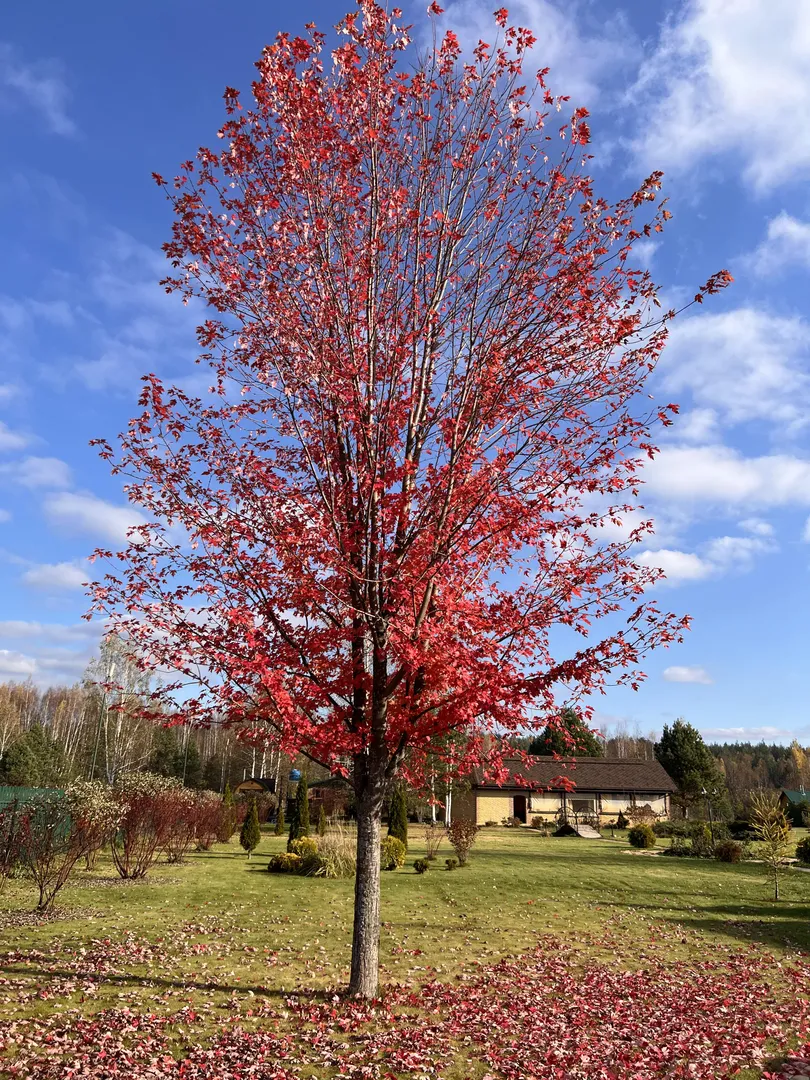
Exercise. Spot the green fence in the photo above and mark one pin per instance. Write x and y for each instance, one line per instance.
(20, 795)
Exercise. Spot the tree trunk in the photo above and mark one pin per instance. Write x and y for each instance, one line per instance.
(366, 936)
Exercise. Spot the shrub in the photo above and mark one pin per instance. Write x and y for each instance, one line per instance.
(59, 829)
(335, 857)
(434, 834)
(641, 836)
(392, 853)
(305, 846)
(803, 851)
(286, 862)
(145, 824)
(183, 824)
(251, 834)
(462, 836)
(621, 821)
(489, 824)
(398, 815)
(642, 815)
(538, 822)
(280, 823)
(701, 836)
(741, 829)
(451, 864)
(321, 821)
(208, 815)
(678, 847)
(421, 866)
(728, 851)
(11, 821)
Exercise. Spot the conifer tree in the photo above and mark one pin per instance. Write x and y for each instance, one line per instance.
(228, 819)
(321, 821)
(302, 805)
(280, 823)
(251, 834)
(398, 815)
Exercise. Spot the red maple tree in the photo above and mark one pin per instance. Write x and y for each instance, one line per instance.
(386, 521)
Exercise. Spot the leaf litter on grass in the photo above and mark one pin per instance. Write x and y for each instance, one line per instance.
(551, 1014)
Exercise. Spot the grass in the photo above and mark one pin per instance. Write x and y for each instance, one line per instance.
(219, 930)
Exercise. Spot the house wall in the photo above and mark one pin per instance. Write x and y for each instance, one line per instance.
(483, 806)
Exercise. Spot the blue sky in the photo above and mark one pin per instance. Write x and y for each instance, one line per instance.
(94, 97)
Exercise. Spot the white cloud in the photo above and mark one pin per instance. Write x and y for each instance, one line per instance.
(57, 577)
(39, 472)
(744, 364)
(683, 674)
(11, 440)
(8, 391)
(679, 566)
(86, 513)
(729, 76)
(722, 476)
(806, 533)
(16, 664)
(581, 51)
(756, 526)
(39, 84)
(749, 734)
(698, 425)
(4, 516)
(787, 243)
(76, 632)
(722, 555)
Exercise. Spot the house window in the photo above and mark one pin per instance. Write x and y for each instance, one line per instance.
(583, 806)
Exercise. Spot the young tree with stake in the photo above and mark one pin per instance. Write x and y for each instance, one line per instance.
(427, 340)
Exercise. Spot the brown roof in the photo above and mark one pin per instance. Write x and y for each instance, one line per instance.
(587, 773)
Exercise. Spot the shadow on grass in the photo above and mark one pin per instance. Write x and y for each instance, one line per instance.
(130, 979)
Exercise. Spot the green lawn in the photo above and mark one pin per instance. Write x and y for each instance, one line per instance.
(219, 930)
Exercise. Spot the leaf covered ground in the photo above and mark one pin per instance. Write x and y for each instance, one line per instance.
(545, 959)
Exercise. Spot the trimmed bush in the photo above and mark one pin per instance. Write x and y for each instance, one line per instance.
(227, 820)
(642, 837)
(251, 833)
(286, 862)
(421, 866)
(392, 853)
(398, 815)
(803, 851)
(728, 851)
(281, 824)
(621, 821)
(451, 864)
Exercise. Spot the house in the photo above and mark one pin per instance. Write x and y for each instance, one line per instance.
(256, 785)
(794, 804)
(603, 788)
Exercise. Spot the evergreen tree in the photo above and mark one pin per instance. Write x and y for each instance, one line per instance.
(687, 759)
(227, 822)
(580, 739)
(35, 759)
(251, 833)
(398, 815)
(321, 821)
(164, 752)
(280, 823)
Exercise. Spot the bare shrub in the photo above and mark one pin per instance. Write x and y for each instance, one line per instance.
(434, 834)
(146, 823)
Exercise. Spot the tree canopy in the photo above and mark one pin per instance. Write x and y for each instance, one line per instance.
(572, 736)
